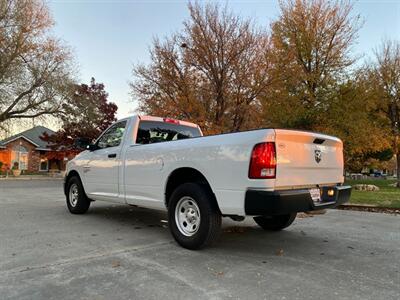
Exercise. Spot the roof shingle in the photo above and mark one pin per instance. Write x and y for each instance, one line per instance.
(32, 135)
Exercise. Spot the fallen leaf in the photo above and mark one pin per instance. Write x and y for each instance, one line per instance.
(279, 252)
(303, 216)
(316, 212)
(115, 264)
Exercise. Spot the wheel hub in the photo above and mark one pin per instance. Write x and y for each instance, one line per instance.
(187, 216)
(73, 194)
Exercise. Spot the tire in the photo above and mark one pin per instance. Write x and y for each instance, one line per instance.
(78, 204)
(194, 204)
(275, 223)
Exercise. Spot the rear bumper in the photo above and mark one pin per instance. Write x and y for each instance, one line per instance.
(290, 201)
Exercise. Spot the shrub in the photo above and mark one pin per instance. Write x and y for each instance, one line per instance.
(15, 166)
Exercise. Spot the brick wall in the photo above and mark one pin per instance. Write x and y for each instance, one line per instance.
(33, 155)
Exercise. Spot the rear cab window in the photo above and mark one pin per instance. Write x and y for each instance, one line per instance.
(150, 132)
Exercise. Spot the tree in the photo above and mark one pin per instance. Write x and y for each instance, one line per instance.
(87, 113)
(352, 117)
(212, 73)
(311, 44)
(314, 86)
(35, 69)
(385, 78)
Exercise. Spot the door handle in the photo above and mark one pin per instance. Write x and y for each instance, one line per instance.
(113, 155)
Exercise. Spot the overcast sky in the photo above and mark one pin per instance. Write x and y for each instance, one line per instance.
(108, 37)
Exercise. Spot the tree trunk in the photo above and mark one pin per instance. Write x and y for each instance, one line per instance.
(398, 168)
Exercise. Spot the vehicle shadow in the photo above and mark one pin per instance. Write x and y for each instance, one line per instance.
(241, 237)
(116, 213)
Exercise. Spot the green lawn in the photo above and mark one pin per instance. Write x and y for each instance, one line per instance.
(387, 196)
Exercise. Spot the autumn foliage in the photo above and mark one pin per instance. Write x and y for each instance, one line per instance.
(228, 74)
(225, 72)
(211, 73)
(86, 115)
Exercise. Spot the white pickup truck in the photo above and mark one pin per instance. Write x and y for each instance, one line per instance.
(161, 163)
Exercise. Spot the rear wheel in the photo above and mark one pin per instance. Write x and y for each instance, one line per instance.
(194, 218)
(77, 202)
(275, 223)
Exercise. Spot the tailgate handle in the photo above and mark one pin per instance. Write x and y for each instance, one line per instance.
(318, 141)
(112, 155)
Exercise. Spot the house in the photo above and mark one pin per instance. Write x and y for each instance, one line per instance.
(29, 150)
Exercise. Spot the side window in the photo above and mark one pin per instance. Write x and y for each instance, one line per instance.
(113, 136)
(150, 132)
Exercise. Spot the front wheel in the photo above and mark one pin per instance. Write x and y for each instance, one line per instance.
(77, 201)
(194, 218)
(275, 223)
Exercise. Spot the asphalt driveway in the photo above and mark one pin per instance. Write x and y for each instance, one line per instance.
(120, 252)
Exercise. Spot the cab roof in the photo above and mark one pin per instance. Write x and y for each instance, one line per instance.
(167, 120)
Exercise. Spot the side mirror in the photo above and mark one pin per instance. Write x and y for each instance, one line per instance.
(92, 147)
(81, 143)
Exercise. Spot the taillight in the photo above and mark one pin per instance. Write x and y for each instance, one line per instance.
(263, 161)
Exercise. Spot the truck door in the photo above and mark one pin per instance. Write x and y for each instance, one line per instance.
(102, 170)
(144, 160)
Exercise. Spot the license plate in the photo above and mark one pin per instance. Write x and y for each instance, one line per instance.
(315, 195)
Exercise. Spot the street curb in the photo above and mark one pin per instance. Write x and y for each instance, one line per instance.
(29, 178)
(370, 208)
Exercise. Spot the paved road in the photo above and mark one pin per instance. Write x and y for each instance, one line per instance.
(118, 252)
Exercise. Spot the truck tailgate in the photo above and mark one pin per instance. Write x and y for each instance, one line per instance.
(307, 159)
